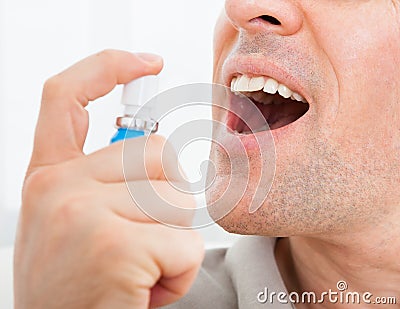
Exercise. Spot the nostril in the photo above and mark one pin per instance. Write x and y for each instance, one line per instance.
(271, 20)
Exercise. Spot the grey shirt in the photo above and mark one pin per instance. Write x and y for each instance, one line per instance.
(235, 277)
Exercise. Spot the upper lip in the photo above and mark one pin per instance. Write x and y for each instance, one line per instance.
(258, 65)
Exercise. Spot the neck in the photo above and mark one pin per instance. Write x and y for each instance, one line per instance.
(368, 262)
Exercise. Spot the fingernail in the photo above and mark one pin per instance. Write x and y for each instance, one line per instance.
(152, 58)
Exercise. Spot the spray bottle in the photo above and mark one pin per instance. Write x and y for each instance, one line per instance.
(137, 120)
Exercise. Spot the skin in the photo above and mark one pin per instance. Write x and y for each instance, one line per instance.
(335, 193)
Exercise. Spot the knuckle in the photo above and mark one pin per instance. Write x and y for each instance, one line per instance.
(45, 200)
(107, 55)
(43, 180)
(107, 238)
(188, 203)
(52, 86)
(154, 154)
(160, 149)
(156, 143)
(193, 248)
(73, 209)
(198, 246)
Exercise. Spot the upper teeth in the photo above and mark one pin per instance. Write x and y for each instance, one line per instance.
(269, 85)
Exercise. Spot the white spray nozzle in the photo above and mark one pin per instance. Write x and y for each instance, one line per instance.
(137, 93)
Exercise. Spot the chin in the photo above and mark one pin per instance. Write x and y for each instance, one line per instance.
(287, 211)
(266, 221)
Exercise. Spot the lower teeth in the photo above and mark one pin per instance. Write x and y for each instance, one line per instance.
(263, 128)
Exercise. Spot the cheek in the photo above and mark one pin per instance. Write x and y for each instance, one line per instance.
(366, 60)
(225, 36)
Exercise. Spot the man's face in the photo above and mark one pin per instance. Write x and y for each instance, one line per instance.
(338, 165)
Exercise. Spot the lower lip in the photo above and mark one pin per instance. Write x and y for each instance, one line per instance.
(251, 142)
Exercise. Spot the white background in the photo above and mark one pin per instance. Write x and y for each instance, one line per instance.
(42, 37)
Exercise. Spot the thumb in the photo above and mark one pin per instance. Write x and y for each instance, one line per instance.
(63, 121)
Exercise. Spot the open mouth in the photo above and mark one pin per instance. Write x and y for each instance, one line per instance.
(279, 105)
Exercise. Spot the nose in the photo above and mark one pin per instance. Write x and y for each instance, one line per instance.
(283, 17)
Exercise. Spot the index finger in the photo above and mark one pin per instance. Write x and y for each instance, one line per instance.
(63, 122)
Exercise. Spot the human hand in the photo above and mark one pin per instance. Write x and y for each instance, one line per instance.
(82, 242)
